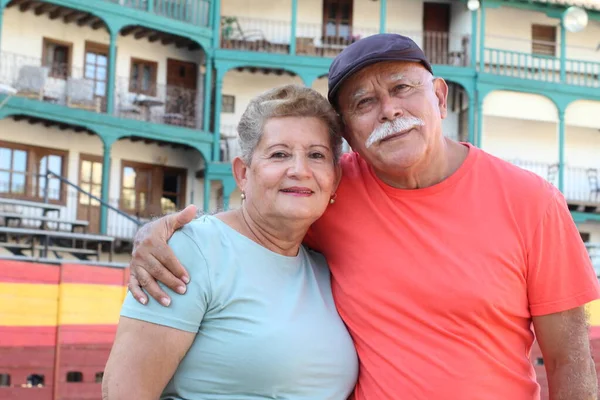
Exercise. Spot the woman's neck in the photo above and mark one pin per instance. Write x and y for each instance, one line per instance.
(278, 236)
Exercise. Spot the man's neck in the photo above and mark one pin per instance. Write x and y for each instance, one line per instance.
(438, 165)
(281, 237)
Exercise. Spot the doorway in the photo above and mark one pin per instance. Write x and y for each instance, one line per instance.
(436, 31)
(96, 69)
(90, 180)
(182, 84)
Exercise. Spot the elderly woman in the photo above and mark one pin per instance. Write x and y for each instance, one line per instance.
(258, 320)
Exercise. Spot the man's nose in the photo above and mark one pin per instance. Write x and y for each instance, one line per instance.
(390, 109)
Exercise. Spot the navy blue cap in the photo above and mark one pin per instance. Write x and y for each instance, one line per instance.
(371, 50)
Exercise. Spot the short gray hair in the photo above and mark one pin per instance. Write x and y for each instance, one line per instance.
(286, 101)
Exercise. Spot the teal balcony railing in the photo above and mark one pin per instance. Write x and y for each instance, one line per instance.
(195, 12)
(581, 183)
(272, 36)
(541, 61)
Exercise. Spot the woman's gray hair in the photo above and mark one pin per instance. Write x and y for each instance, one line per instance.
(286, 101)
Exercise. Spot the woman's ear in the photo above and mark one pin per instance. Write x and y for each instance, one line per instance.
(240, 172)
(338, 176)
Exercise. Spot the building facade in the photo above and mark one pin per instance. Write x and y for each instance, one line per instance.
(135, 102)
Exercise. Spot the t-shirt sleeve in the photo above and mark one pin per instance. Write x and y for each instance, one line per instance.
(560, 274)
(185, 311)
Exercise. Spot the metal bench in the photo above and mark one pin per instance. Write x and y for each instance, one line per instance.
(31, 204)
(45, 236)
(20, 217)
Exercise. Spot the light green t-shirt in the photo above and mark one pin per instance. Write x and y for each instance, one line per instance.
(266, 325)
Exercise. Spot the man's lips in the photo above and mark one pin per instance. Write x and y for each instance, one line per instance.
(298, 191)
(396, 135)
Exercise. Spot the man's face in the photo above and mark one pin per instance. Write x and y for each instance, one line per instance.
(393, 114)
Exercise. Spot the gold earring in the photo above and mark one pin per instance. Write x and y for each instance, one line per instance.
(332, 199)
(243, 196)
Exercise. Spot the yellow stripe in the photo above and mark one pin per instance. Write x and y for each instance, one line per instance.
(28, 304)
(594, 310)
(83, 304)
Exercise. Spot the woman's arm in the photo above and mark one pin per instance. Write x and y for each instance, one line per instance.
(152, 340)
(143, 359)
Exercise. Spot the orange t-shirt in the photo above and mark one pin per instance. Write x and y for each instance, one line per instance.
(438, 285)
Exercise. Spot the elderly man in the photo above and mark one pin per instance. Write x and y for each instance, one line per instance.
(442, 256)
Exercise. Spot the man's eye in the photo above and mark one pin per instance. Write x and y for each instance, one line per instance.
(401, 88)
(364, 102)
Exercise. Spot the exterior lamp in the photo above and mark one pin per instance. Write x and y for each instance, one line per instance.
(473, 5)
(575, 19)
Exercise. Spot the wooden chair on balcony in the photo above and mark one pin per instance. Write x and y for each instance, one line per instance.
(80, 94)
(32, 81)
(594, 184)
(233, 36)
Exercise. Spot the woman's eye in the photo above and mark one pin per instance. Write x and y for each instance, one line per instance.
(278, 154)
(317, 155)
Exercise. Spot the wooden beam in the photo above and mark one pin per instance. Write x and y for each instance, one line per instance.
(59, 13)
(129, 30)
(154, 37)
(168, 40)
(34, 121)
(18, 118)
(15, 3)
(98, 24)
(45, 8)
(73, 16)
(181, 43)
(142, 33)
(25, 6)
(88, 19)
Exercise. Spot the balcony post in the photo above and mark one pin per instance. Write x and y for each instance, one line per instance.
(561, 149)
(207, 92)
(150, 6)
(382, 15)
(217, 123)
(112, 61)
(482, 38)
(1, 15)
(473, 38)
(471, 117)
(563, 52)
(294, 24)
(479, 116)
(206, 199)
(107, 141)
(216, 14)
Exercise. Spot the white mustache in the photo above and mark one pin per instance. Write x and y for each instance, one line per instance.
(392, 127)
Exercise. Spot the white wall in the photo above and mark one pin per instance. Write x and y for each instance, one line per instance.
(516, 35)
(246, 85)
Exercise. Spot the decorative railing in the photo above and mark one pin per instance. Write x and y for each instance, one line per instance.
(580, 183)
(79, 88)
(195, 12)
(54, 83)
(75, 205)
(541, 61)
(159, 103)
(271, 36)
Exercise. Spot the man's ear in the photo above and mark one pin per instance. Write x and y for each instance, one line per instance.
(441, 92)
(240, 172)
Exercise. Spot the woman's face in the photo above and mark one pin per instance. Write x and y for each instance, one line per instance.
(292, 174)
